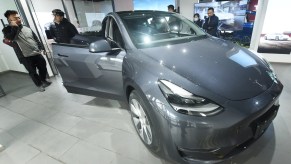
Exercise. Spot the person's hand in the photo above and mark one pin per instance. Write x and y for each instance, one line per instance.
(42, 52)
(13, 23)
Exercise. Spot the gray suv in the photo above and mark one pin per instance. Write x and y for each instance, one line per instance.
(192, 97)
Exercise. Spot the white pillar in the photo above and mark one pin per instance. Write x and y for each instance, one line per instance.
(123, 5)
(187, 8)
(259, 23)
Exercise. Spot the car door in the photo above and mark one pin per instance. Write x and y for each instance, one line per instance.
(95, 74)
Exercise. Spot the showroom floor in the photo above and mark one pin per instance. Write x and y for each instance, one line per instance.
(56, 127)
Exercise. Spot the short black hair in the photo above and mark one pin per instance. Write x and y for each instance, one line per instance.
(10, 12)
(58, 12)
(211, 8)
(171, 7)
(196, 15)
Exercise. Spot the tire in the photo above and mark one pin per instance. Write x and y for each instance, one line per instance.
(266, 38)
(143, 122)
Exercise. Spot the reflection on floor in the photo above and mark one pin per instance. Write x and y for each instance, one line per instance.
(56, 127)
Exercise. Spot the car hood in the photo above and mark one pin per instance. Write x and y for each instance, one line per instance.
(216, 65)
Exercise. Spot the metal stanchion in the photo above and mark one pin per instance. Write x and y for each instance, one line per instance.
(2, 93)
(1, 147)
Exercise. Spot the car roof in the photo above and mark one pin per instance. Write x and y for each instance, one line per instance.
(140, 12)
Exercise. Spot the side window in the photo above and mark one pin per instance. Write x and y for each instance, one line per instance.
(114, 35)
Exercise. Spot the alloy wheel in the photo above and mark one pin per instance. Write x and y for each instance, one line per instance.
(141, 121)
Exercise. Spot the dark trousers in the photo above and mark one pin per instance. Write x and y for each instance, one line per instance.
(36, 62)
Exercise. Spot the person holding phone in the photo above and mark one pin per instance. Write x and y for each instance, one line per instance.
(29, 48)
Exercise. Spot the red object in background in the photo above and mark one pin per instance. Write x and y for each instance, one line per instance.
(252, 7)
(287, 33)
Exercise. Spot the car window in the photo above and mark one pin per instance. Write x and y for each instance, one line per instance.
(154, 29)
(114, 35)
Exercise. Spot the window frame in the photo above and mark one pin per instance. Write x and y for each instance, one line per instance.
(109, 34)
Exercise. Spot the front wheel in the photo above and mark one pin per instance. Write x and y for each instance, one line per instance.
(142, 121)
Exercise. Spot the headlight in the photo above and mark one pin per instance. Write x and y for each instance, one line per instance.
(187, 103)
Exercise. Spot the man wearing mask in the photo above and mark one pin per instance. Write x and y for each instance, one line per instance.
(27, 47)
(62, 30)
(211, 23)
(197, 20)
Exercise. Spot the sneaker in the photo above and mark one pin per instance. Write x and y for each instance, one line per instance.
(2, 148)
(41, 89)
(46, 83)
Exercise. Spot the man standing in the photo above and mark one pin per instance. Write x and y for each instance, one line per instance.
(27, 47)
(62, 30)
(171, 8)
(211, 23)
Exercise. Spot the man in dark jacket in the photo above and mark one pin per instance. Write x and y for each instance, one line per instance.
(27, 47)
(211, 23)
(62, 30)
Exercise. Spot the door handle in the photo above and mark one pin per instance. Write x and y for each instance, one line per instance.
(63, 55)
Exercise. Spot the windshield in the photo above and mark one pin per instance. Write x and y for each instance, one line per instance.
(150, 29)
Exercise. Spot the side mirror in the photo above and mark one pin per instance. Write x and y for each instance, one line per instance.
(100, 45)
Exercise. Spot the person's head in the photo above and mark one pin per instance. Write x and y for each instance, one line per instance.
(196, 17)
(58, 15)
(171, 8)
(210, 11)
(13, 16)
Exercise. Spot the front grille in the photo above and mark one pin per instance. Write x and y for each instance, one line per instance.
(258, 126)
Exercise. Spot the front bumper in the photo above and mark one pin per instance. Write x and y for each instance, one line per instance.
(218, 137)
(258, 127)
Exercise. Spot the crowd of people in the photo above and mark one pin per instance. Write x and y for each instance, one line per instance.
(210, 24)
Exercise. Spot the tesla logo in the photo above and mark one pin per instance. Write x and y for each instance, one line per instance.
(273, 76)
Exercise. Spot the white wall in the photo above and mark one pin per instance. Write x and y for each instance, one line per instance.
(187, 8)
(8, 59)
(71, 13)
(123, 5)
(83, 7)
(3, 64)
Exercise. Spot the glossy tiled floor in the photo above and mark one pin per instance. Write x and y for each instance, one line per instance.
(56, 127)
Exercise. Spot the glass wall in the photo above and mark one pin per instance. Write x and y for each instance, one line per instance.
(90, 13)
(161, 5)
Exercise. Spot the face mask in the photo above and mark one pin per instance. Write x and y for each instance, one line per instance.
(195, 19)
